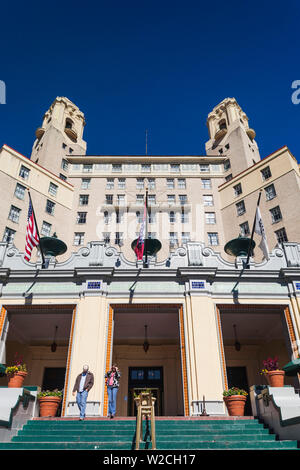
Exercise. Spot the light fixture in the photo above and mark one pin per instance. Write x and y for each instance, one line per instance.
(237, 344)
(146, 344)
(54, 345)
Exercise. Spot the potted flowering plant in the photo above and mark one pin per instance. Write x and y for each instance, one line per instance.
(235, 400)
(49, 402)
(16, 374)
(274, 375)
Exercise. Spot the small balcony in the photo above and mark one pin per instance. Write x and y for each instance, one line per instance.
(71, 133)
(251, 133)
(220, 133)
(39, 132)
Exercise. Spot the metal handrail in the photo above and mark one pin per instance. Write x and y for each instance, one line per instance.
(145, 407)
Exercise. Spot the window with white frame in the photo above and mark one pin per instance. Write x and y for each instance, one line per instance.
(185, 237)
(85, 183)
(240, 208)
(9, 235)
(119, 238)
(213, 238)
(146, 167)
(78, 238)
(172, 217)
(81, 217)
(171, 198)
(206, 183)
(139, 217)
(52, 189)
(281, 235)
(140, 199)
(107, 217)
(227, 165)
(106, 237)
(276, 214)
(208, 200)
(50, 206)
(20, 191)
(121, 183)
(266, 173)
(244, 229)
(182, 199)
(87, 168)
(24, 172)
(175, 167)
(110, 183)
(170, 183)
(46, 229)
(204, 168)
(210, 217)
(184, 218)
(109, 199)
(152, 235)
(151, 199)
(181, 183)
(14, 214)
(62, 177)
(65, 165)
(237, 189)
(140, 183)
(121, 199)
(151, 183)
(83, 199)
(270, 192)
(151, 217)
(116, 167)
(173, 238)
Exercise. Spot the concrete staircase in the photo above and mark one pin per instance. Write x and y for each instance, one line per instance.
(172, 433)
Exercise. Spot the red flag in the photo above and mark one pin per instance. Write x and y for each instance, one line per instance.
(139, 249)
(32, 237)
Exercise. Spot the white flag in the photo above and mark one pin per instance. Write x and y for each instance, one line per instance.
(260, 230)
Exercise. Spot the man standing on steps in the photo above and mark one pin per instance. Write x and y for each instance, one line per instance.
(83, 385)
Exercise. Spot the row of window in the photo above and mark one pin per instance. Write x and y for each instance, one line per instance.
(148, 167)
(275, 212)
(210, 217)
(140, 183)
(213, 238)
(20, 190)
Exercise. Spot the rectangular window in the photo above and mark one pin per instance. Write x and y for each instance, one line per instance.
(210, 217)
(182, 199)
(140, 183)
(151, 183)
(107, 217)
(172, 217)
(276, 214)
(228, 178)
(181, 183)
(266, 173)
(106, 237)
(119, 238)
(62, 177)
(170, 183)
(270, 192)
(152, 235)
(240, 208)
(109, 198)
(78, 238)
(206, 183)
(175, 167)
(151, 199)
(281, 235)
(9, 235)
(146, 167)
(204, 168)
(64, 165)
(14, 214)
(151, 218)
(85, 183)
(46, 229)
(20, 191)
(110, 183)
(185, 237)
(116, 167)
(171, 198)
(184, 218)
(173, 239)
(121, 183)
(140, 199)
(213, 238)
(52, 189)
(139, 217)
(24, 172)
(81, 217)
(121, 199)
(83, 199)
(237, 189)
(244, 229)
(119, 217)
(50, 207)
(208, 200)
(87, 168)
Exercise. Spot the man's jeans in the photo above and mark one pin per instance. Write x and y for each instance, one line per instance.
(81, 398)
(112, 399)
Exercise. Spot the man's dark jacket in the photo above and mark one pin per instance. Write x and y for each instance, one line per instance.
(89, 382)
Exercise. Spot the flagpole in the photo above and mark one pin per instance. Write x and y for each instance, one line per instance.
(146, 230)
(253, 228)
(37, 229)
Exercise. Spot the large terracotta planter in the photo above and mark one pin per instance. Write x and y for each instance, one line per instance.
(235, 405)
(275, 378)
(16, 380)
(49, 406)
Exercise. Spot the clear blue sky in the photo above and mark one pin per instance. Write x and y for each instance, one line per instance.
(156, 64)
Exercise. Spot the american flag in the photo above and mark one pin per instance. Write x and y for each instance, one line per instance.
(32, 237)
(139, 249)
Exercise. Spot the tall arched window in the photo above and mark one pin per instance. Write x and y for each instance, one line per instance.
(69, 123)
(172, 217)
(106, 217)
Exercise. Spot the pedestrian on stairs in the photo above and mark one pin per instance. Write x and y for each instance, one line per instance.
(112, 383)
(83, 385)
